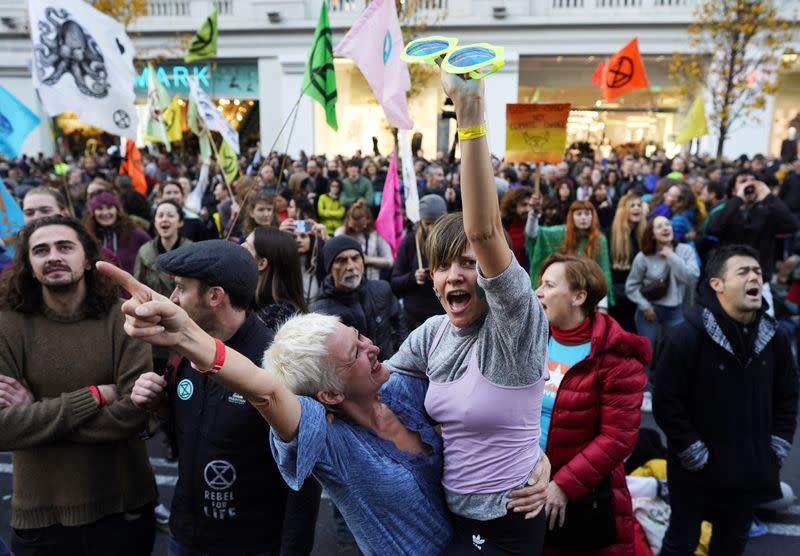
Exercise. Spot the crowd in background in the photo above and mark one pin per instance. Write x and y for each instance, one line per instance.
(623, 211)
(650, 224)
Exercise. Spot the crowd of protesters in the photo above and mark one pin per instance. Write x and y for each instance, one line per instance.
(629, 283)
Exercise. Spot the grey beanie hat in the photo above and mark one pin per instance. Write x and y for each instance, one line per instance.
(431, 207)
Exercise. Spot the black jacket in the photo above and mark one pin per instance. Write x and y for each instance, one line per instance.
(230, 495)
(756, 226)
(419, 302)
(790, 191)
(372, 309)
(731, 387)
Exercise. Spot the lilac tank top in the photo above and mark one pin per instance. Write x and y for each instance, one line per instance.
(490, 432)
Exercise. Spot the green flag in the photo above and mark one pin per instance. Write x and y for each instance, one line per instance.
(204, 44)
(157, 103)
(197, 127)
(228, 162)
(320, 80)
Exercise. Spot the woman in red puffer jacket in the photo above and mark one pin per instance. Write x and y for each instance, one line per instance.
(592, 402)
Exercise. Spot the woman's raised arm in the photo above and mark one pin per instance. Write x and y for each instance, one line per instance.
(153, 318)
(482, 222)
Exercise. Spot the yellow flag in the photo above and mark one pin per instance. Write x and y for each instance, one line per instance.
(228, 162)
(694, 125)
(173, 120)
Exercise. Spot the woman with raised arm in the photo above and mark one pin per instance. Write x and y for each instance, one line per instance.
(379, 457)
(485, 359)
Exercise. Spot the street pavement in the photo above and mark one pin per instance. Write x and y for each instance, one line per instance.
(783, 538)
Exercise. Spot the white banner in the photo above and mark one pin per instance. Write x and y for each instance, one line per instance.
(83, 61)
(409, 177)
(210, 115)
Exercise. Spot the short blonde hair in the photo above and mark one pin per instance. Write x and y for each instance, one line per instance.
(299, 358)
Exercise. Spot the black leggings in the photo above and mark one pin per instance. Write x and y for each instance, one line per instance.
(510, 534)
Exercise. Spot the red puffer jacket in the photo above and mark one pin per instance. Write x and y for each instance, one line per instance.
(595, 424)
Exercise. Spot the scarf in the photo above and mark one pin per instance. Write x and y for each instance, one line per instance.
(573, 336)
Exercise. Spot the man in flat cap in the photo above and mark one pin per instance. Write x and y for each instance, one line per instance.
(230, 497)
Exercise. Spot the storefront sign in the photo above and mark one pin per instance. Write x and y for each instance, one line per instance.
(219, 79)
(536, 132)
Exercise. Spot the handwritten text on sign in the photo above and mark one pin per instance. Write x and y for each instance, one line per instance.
(536, 132)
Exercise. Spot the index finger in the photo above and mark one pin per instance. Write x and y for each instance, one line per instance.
(8, 380)
(126, 281)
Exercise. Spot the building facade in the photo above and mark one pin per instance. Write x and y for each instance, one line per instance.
(552, 49)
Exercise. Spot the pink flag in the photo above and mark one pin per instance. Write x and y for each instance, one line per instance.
(389, 223)
(374, 43)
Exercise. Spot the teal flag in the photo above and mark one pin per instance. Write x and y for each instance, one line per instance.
(16, 123)
(11, 218)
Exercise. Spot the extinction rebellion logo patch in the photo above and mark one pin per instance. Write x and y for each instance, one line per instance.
(185, 389)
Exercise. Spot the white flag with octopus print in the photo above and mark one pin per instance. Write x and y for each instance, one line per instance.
(83, 62)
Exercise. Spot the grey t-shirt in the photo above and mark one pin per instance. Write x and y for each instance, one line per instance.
(511, 348)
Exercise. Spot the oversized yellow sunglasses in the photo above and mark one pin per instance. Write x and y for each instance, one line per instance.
(476, 60)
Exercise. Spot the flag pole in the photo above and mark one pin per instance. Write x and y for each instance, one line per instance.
(216, 157)
(292, 113)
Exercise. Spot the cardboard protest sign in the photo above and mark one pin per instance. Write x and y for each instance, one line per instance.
(536, 132)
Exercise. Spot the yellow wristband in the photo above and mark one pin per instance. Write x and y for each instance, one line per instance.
(472, 132)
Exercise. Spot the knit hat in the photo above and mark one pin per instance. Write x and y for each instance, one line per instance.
(431, 207)
(104, 198)
(336, 245)
(217, 262)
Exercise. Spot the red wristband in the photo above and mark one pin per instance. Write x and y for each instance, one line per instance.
(98, 396)
(219, 360)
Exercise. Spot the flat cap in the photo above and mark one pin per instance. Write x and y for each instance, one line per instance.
(216, 262)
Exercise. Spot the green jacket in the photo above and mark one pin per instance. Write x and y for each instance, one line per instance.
(352, 191)
(145, 270)
(549, 240)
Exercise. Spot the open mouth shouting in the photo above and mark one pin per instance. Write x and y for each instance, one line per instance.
(753, 292)
(458, 301)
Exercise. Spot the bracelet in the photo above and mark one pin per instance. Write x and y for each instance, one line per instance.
(468, 133)
(98, 396)
(219, 360)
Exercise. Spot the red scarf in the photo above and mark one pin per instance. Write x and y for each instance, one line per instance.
(574, 336)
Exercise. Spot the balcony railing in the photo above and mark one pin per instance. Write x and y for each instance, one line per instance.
(168, 8)
(567, 7)
(357, 6)
(251, 13)
(224, 7)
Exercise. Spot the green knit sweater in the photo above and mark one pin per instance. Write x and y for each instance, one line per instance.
(74, 462)
(549, 240)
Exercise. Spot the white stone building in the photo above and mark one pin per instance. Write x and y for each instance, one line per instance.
(552, 49)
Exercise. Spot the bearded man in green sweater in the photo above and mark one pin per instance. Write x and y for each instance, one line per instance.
(82, 480)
